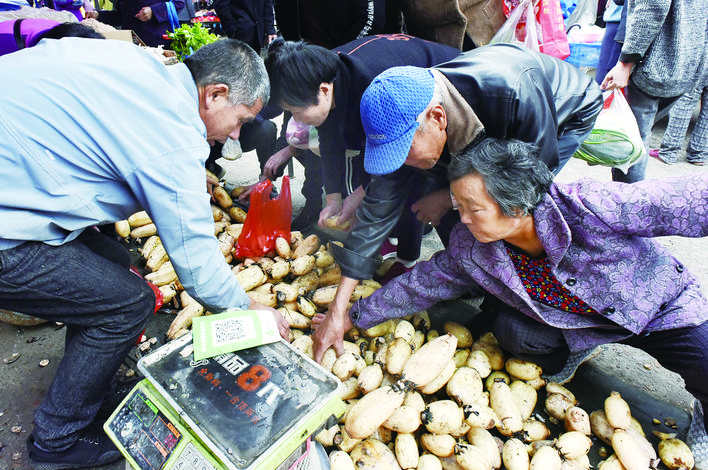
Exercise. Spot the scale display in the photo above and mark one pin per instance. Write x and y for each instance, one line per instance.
(244, 401)
(145, 432)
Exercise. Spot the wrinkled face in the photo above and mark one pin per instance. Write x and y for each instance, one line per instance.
(315, 114)
(429, 140)
(222, 118)
(479, 212)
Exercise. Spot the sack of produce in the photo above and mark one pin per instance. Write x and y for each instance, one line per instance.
(615, 140)
(267, 220)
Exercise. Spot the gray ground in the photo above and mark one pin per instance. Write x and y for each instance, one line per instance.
(23, 383)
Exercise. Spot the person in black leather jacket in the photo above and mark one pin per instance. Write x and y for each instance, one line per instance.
(415, 118)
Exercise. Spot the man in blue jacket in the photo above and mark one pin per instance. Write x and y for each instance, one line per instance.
(140, 141)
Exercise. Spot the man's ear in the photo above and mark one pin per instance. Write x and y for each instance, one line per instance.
(437, 115)
(215, 94)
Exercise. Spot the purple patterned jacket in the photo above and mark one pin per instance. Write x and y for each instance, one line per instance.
(597, 237)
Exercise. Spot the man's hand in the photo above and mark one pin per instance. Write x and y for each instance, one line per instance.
(91, 14)
(283, 327)
(271, 37)
(432, 208)
(618, 76)
(211, 182)
(277, 160)
(145, 14)
(333, 207)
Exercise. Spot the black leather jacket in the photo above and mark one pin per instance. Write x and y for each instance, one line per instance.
(516, 94)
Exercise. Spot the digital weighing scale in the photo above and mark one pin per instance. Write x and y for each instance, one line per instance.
(247, 410)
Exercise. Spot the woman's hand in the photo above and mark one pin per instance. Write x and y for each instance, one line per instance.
(332, 208)
(277, 160)
(329, 331)
(349, 207)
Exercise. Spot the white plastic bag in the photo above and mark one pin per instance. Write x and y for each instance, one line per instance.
(615, 140)
(520, 28)
(302, 136)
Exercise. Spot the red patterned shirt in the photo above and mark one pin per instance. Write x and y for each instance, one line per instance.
(542, 286)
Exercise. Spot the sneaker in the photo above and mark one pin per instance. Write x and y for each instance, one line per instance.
(92, 449)
(388, 249)
(396, 270)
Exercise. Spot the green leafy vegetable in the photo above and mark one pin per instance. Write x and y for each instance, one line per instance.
(609, 148)
(188, 38)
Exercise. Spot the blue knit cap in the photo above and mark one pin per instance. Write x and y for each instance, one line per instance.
(389, 108)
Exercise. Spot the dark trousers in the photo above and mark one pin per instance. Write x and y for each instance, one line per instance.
(312, 186)
(682, 350)
(609, 51)
(87, 285)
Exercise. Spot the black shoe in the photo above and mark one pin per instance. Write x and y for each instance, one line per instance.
(305, 219)
(119, 391)
(92, 449)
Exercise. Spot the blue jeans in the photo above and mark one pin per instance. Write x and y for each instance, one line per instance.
(87, 285)
(645, 107)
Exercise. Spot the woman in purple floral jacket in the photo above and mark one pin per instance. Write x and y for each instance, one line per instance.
(565, 267)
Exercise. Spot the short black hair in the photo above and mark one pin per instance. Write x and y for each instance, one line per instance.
(513, 172)
(296, 70)
(74, 30)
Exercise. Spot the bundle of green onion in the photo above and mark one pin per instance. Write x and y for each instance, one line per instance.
(609, 148)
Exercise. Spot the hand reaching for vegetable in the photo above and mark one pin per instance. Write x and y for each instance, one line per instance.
(246, 195)
(145, 14)
(332, 208)
(277, 160)
(349, 207)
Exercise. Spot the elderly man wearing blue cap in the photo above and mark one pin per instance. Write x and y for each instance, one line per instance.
(415, 118)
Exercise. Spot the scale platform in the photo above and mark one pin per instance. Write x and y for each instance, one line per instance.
(248, 410)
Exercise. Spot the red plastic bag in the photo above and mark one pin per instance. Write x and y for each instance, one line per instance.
(267, 220)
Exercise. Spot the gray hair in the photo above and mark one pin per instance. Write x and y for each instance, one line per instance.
(232, 63)
(512, 171)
